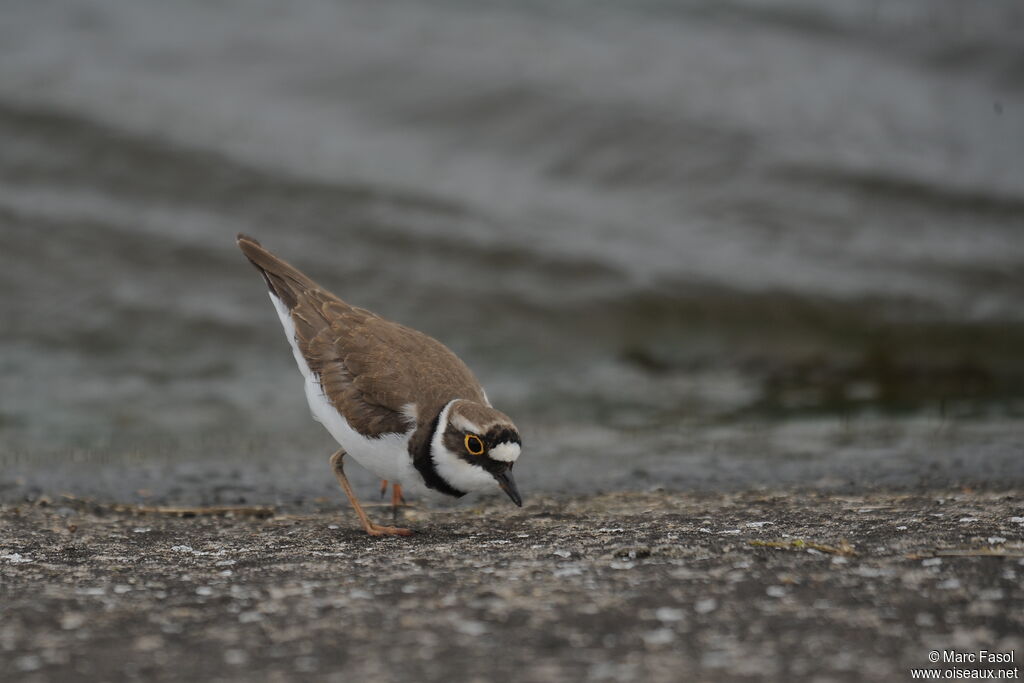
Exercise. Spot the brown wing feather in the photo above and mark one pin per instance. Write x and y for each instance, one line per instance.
(370, 368)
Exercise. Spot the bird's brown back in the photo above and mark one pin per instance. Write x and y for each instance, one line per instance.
(370, 368)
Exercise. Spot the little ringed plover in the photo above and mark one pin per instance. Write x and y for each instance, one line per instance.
(399, 402)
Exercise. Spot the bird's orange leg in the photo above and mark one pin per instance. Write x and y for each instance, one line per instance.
(396, 500)
(370, 527)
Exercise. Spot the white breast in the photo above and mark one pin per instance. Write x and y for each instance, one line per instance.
(386, 456)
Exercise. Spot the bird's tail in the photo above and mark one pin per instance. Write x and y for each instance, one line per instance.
(284, 280)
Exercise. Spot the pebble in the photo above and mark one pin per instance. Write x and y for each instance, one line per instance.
(468, 627)
(705, 605)
(669, 614)
(72, 620)
(16, 558)
(149, 643)
(28, 663)
(661, 636)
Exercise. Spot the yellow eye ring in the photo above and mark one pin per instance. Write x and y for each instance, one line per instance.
(474, 444)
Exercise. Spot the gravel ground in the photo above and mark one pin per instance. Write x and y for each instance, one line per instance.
(783, 585)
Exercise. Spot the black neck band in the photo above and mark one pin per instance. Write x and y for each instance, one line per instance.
(425, 465)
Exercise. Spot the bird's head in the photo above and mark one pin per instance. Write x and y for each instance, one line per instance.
(474, 448)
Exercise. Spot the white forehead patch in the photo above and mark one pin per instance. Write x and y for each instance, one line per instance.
(506, 452)
(461, 423)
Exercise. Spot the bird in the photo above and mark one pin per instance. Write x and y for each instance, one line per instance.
(396, 400)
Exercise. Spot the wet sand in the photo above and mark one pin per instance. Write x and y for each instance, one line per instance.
(782, 585)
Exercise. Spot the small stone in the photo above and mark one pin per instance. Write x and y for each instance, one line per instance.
(931, 562)
(204, 591)
(669, 614)
(775, 591)
(562, 553)
(72, 620)
(705, 605)
(661, 636)
(149, 643)
(901, 527)
(1016, 520)
(470, 628)
(16, 558)
(996, 540)
(756, 525)
(235, 657)
(28, 663)
(305, 664)
(567, 571)
(949, 584)
(967, 520)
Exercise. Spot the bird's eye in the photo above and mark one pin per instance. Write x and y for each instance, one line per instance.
(474, 444)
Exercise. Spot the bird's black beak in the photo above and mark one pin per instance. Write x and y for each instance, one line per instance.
(508, 485)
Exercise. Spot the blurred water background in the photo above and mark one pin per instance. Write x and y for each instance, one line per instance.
(705, 243)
